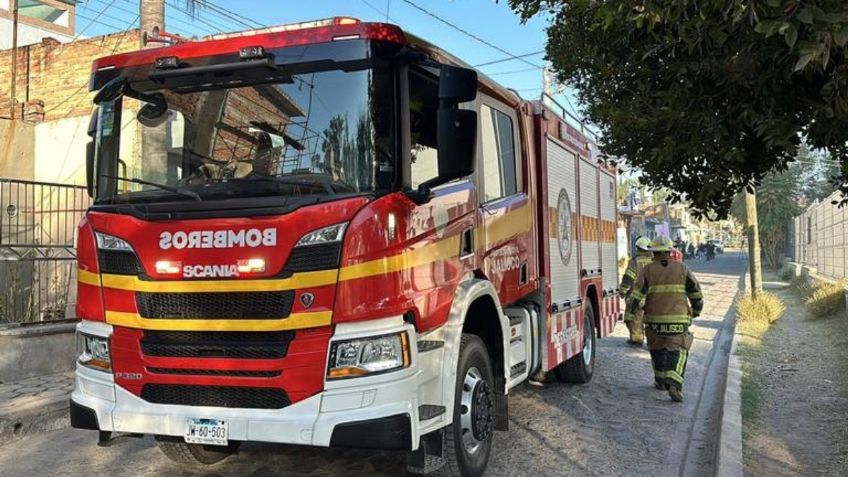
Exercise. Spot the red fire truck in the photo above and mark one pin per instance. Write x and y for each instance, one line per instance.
(331, 234)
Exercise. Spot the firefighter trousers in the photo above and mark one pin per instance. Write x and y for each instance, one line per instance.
(635, 325)
(669, 353)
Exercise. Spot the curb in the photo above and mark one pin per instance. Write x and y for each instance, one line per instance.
(47, 415)
(729, 456)
(729, 453)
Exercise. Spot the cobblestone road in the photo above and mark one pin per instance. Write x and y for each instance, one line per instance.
(616, 425)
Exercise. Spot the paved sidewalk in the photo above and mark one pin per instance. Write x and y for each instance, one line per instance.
(34, 404)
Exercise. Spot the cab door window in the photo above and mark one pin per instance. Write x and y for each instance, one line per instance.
(500, 176)
(423, 105)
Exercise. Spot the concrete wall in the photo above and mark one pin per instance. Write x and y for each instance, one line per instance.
(27, 34)
(36, 350)
(17, 142)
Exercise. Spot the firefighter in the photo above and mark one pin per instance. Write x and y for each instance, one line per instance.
(633, 321)
(670, 296)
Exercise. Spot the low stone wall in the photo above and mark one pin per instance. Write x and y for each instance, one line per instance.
(36, 350)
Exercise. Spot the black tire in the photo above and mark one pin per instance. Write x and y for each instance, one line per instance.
(579, 368)
(459, 460)
(176, 449)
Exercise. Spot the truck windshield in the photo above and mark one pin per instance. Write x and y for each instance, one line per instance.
(328, 132)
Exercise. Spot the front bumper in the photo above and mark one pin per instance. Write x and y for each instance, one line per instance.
(379, 411)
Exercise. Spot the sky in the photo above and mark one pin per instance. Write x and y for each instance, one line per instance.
(488, 20)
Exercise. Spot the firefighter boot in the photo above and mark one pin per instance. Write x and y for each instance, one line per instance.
(675, 391)
(637, 334)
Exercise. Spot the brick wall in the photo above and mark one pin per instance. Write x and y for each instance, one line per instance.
(52, 78)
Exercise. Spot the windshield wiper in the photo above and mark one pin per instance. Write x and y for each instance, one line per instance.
(168, 188)
(291, 182)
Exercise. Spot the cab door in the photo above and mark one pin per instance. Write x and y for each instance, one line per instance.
(505, 233)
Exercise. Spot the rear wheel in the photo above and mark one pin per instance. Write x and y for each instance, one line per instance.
(194, 454)
(468, 440)
(579, 368)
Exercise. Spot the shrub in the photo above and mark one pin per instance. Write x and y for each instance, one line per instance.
(826, 298)
(786, 274)
(755, 315)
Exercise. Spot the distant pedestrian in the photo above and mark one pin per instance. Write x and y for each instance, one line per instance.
(670, 296)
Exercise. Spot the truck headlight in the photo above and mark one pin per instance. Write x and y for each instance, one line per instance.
(370, 355)
(109, 242)
(94, 351)
(331, 234)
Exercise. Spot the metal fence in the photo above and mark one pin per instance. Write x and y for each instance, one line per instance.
(38, 223)
(818, 238)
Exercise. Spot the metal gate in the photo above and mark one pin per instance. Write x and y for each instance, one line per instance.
(38, 223)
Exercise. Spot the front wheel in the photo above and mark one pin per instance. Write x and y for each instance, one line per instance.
(579, 368)
(176, 449)
(468, 440)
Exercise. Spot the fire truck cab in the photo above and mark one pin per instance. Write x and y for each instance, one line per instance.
(332, 234)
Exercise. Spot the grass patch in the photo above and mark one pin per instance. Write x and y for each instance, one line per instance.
(755, 315)
(751, 394)
(826, 298)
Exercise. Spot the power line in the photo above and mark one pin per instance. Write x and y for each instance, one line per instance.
(512, 72)
(189, 28)
(124, 34)
(216, 27)
(511, 58)
(379, 12)
(235, 16)
(91, 22)
(466, 32)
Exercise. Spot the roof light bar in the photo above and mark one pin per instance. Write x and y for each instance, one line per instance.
(337, 21)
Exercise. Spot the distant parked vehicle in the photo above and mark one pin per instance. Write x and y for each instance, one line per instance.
(718, 244)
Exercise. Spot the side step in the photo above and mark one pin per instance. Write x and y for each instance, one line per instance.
(429, 411)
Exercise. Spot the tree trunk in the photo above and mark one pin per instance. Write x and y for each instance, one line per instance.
(151, 14)
(752, 228)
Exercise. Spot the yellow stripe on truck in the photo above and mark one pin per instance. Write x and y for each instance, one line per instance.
(295, 321)
(133, 283)
(432, 252)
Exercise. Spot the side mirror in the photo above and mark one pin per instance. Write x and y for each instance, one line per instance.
(456, 143)
(111, 90)
(154, 112)
(456, 85)
(456, 129)
(90, 151)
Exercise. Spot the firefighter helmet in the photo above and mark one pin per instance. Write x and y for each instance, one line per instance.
(643, 243)
(662, 244)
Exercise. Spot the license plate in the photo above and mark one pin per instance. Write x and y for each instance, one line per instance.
(206, 431)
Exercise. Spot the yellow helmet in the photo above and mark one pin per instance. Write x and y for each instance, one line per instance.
(662, 244)
(643, 243)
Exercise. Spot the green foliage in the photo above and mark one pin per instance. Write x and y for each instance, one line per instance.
(777, 204)
(755, 315)
(826, 298)
(704, 97)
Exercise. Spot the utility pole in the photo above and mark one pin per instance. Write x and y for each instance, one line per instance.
(12, 92)
(151, 15)
(752, 229)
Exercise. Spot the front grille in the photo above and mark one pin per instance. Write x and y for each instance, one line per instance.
(216, 396)
(314, 257)
(216, 372)
(217, 344)
(119, 262)
(256, 305)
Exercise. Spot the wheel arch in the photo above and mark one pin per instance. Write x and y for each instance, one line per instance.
(593, 298)
(475, 304)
